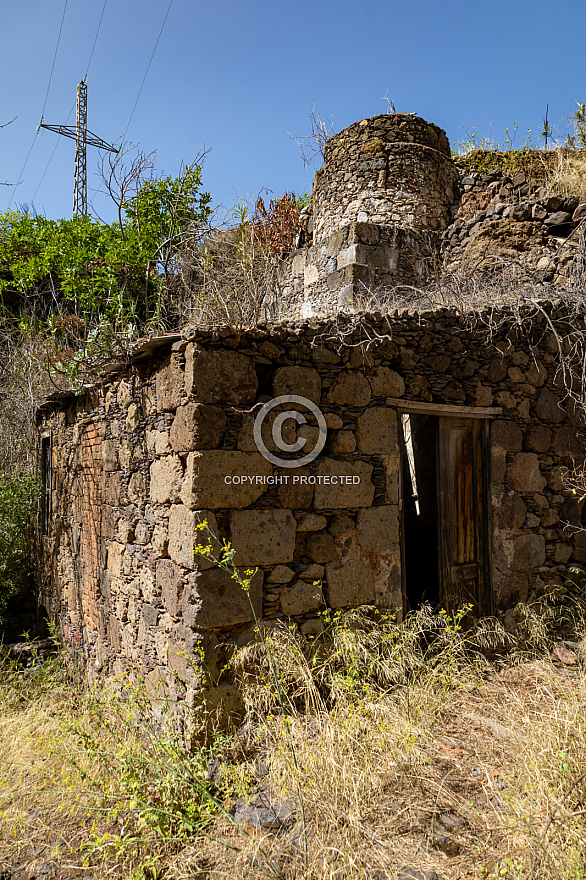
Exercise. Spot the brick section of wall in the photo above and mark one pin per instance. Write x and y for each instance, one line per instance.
(91, 523)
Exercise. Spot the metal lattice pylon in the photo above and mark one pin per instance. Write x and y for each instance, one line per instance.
(80, 190)
(83, 138)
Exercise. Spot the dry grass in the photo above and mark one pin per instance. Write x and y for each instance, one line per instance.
(565, 172)
(401, 745)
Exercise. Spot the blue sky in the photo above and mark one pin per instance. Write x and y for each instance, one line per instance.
(239, 76)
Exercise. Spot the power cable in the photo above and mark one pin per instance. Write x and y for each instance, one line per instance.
(19, 180)
(51, 157)
(96, 37)
(147, 70)
(54, 58)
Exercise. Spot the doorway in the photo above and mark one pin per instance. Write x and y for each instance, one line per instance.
(445, 516)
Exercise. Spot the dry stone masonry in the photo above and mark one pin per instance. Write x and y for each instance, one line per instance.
(168, 443)
(386, 191)
(479, 419)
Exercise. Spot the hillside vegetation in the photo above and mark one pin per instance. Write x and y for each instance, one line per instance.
(375, 751)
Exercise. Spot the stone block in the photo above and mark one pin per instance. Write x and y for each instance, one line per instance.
(556, 479)
(214, 599)
(562, 553)
(376, 431)
(311, 522)
(350, 388)
(525, 474)
(184, 538)
(109, 455)
(169, 582)
(150, 615)
(548, 407)
(579, 546)
(302, 381)
(510, 513)
(262, 537)
(506, 435)
(377, 527)
(180, 655)
(132, 418)
(115, 558)
(361, 357)
(296, 495)
(320, 547)
(281, 574)
(166, 475)
(125, 454)
(313, 572)
(224, 377)
(136, 488)
(568, 443)
(386, 383)
(342, 442)
(349, 584)
(352, 487)
(537, 438)
(312, 627)
(366, 233)
(528, 552)
(218, 478)
(300, 598)
(198, 426)
(169, 384)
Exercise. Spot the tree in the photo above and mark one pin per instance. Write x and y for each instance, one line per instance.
(115, 272)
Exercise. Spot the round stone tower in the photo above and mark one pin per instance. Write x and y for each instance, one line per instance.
(386, 191)
(387, 170)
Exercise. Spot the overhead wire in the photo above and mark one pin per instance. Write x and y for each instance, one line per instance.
(96, 38)
(147, 70)
(24, 164)
(54, 58)
(57, 142)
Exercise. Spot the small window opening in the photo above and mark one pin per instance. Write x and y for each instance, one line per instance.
(46, 484)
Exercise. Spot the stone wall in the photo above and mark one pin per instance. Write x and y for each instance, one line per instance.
(508, 218)
(385, 192)
(139, 460)
(390, 208)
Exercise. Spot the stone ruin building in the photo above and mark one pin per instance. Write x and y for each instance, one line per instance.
(441, 478)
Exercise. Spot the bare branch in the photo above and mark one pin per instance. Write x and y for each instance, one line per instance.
(314, 144)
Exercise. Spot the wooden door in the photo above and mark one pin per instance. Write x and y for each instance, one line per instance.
(463, 532)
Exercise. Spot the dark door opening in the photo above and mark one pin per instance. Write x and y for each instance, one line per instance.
(445, 524)
(420, 509)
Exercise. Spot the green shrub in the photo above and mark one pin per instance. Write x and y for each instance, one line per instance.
(19, 493)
